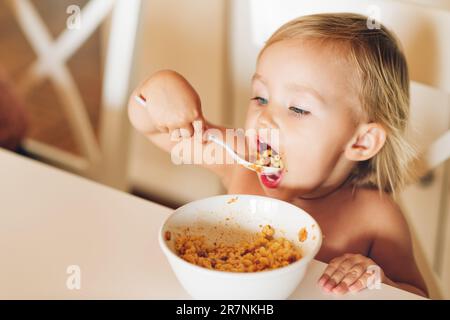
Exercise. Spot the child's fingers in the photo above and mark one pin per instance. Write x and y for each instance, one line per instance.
(361, 283)
(323, 279)
(179, 132)
(350, 278)
(187, 131)
(327, 274)
(334, 279)
(341, 288)
(339, 274)
(347, 273)
(354, 274)
(175, 134)
(200, 129)
(330, 269)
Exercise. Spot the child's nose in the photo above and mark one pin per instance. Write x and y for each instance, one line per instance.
(266, 119)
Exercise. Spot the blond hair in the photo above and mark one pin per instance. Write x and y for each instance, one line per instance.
(384, 90)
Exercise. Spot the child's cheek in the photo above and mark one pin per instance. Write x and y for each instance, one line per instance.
(302, 171)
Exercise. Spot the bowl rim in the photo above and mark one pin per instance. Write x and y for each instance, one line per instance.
(304, 261)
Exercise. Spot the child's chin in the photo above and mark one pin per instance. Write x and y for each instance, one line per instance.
(278, 193)
(277, 190)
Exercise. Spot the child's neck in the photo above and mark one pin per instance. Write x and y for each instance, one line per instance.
(326, 192)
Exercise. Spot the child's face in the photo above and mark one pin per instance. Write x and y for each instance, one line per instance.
(308, 93)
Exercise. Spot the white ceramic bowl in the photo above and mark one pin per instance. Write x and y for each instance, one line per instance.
(246, 213)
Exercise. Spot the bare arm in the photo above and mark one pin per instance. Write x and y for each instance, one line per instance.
(173, 119)
(392, 250)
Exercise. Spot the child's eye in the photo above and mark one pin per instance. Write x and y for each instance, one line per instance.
(299, 111)
(261, 101)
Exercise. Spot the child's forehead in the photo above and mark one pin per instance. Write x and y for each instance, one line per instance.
(321, 67)
(316, 53)
(315, 62)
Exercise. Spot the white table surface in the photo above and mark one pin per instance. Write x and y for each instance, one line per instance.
(50, 219)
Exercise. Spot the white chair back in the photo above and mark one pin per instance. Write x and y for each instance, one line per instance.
(102, 159)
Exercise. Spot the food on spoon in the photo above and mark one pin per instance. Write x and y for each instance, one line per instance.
(266, 156)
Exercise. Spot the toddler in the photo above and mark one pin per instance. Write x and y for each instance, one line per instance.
(337, 94)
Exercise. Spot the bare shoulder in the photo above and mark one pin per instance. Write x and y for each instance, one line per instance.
(380, 210)
(392, 247)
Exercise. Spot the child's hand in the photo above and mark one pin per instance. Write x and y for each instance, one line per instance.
(348, 273)
(172, 106)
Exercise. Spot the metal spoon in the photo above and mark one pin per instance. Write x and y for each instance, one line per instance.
(249, 165)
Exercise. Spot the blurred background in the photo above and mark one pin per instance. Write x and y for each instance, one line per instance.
(68, 66)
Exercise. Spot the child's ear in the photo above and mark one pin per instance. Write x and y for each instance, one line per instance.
(367, 141)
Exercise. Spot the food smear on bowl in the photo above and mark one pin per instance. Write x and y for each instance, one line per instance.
(232, 200)
(302, 235)
(263, 252)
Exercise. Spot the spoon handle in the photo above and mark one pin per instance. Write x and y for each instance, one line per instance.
(140, 101)
(230, 151)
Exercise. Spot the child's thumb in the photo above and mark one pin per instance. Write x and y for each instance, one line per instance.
(200, 127)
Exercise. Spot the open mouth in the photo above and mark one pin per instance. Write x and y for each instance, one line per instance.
(267, 156)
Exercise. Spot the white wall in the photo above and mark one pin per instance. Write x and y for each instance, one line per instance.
(440, 4)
